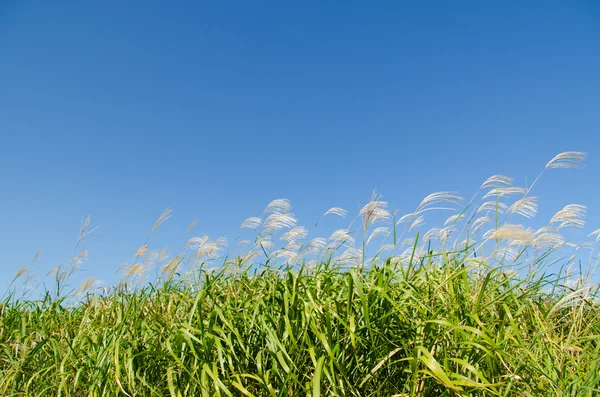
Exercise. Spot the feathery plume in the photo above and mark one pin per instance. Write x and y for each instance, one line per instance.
(141, 251)
(191, 226)
(571, 215)
(567, 160)
(296, 234)
(527, 206)
(513, 232)
(454, 218)
(380, 231)
(374, 211)
(336, 211)
(278, 206)
(505, 192)
(251, 223)
(496, 181)
(162, 218)
(277, 221)
(492, 206)
(438, 197)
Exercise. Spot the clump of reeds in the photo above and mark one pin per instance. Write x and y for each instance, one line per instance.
(480, 305)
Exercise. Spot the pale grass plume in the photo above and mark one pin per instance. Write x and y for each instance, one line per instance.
(278, 221)
(205, 247)
(141, 251)
(251, 223)
(22, 271)
(242, 242)
(278, 206)
(333, 211)
(336, 211)
(527, 207)
(87, 285)
(78, 260)
(454, 219)
(513, 232)
(438, 197)
(315, 245)
(172, 265)
(374, 211)
(161, 219)
(342, 237)
(85, 229)
(135, 270)
(496, 181)
(507, 252)
(431, 234)
(387, 247)
(417, 222)
(596, 234)
(407, 218)
(191, 226)
(571, 215)
(296, 234)
(547, 237)
(164, 254)
(377, 232)
(567, 160)
(351, 256)
(492, 206)
(444, 234)
(505, 192)
(480, 222)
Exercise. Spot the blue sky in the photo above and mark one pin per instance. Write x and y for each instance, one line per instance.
(119, 109)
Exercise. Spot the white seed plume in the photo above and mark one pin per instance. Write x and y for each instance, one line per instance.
(336, 211)
(438, 197)
(162, 218)
(571, 215)
(294, 235)
(407, 218)
(496, 181)
(375, 211)
(135, 270)
(380, 231)
(172, 265)
(279, 221)
(454, 218)
(351, 256)
(527, 206)
(87, 285)
(505, 192)
(251, 223)
(279, 206)
(341, 237)
(20, 273)
(595, 233)
(141, 251)
(513, 232)
(431, 234)
(416, 222)
(567, 160)
(205, 247)
(315, 245)
(492, 206)
(480, 222)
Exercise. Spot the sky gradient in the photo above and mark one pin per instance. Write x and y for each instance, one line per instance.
(119, 109)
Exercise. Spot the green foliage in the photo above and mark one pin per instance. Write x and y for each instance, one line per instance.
(435, 329)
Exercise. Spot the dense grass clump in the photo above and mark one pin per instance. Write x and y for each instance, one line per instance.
(480, 314)
(434, 328)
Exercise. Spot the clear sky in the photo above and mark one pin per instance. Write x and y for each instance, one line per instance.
(118, 109)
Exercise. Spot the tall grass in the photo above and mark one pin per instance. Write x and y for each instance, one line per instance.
(482, 306)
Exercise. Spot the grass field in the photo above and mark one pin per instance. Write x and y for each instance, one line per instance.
(481, 306)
